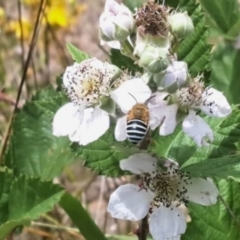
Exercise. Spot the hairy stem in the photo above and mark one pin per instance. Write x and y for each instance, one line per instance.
(26, 65)
(127, 50)
(143, 231)
(230, 211)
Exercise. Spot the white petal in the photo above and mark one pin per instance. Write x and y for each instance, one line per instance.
(197, 128)
(167, 223)
(106, 26)
(112, 6)
(129, 202)
(164, 116)
(111, 44)
(169, 122)
(69, 74)
(169, 163)
(67, 120)
(130, 93)
(155, 116)
(202, 191)
(139, 163)
(158, 98)
(215, 104)
(94, 124)
(120, 129)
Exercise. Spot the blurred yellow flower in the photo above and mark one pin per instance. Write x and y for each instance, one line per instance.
(63, 13)
(2, 15)
(58, 14)
(14, 26)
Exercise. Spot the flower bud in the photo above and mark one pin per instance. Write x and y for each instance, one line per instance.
(146, 77)
(154, 59)
(181, 25)
(116, 22)
(173, 78)
(108, 105)
(144, 39)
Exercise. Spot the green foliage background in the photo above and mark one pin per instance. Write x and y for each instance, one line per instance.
(34, 156)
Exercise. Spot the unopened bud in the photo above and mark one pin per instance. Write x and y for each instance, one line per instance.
(173, 78)
(154, 59)
(116, 22)
(108, 105)
(145, 39)
(114, 71)
(181, 25)
(146, 77)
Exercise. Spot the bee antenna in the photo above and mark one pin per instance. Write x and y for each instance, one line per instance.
(150, 98)
(133, 97)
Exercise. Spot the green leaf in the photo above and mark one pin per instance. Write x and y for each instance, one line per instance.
(223, 167)
(226, 71)
(51, 104)
(181, 148)
(223, 14)
(215, 222)
(5, 183)
(81, 218)
(28, 200)
(121, 237)
(132, 4)
(194, 49)
(33, 150)
(76, 54)
(226, 137)
(104, 155)
(168, 146)
(124, 62)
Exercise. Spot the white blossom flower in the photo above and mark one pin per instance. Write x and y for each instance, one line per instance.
(160, 193)
(130, 93)
(191, 99)
(116, 23)
(82, 119)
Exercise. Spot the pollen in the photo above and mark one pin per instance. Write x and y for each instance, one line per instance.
(168, 186)
(191, 95)
(153, 18)
(86, 84)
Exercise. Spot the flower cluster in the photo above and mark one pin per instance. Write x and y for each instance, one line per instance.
(161, 98)
(161, 193)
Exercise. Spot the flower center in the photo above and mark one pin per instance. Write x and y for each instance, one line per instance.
(168, 187)
(153, 18)
(87, 84)
(89, 87)
(192, 95)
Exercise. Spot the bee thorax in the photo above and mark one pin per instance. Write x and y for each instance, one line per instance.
(139, 111)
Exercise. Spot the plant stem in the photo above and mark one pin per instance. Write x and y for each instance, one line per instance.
(40, 224)
(143, 231)
(127, 49)
(26, 65)
(229, 210)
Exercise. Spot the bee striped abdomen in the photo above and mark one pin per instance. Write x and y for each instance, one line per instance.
(136, 130)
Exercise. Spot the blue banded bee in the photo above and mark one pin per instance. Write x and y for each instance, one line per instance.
(137, 123)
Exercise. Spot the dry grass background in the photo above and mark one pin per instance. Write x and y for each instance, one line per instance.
(50, 59)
